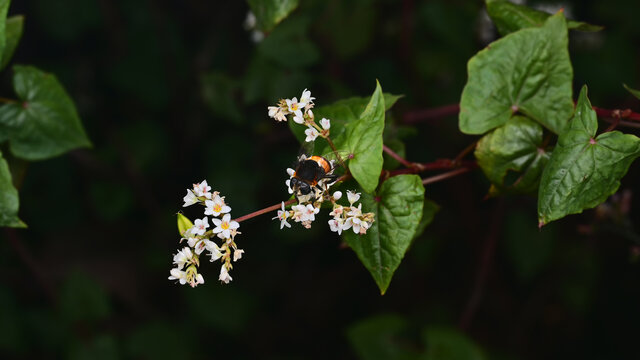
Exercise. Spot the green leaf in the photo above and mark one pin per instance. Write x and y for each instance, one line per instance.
(380, 338)
(289, 44)
(633, 92)
(184, 224)
(429, 211)
(449, 344)
(509, 17)
(14, 28)
(397, 206)
(364, 142)
(515, 146)
(44, 123)
(528, 71)
(584, 169)
(270, 13)
(4, 8)
(9, 202)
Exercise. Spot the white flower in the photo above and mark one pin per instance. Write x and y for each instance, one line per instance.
(288, 183)
(337, 211)
(282, 216)
(200, 226)
(193, 278)
(250, 21)
(177, 274)
(294, 106)
(276, 113)
(310, 212)
(224, 275)
(290, 171)
(202, 189)
(190, 198)
(257, 36)
(311, 133)
(310, 113)
(200, 246)
(355, 222)
(355, 211)
(273, 110)
(299, 212)
(336, 225)
(237, 254)
(298, 118)
(223, 227)
(353, 196)
(306, 97)
(216, 206)
(214, 251)
(183, 257)
(337, 195)
(326, 124)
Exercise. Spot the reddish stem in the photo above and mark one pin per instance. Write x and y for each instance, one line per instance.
(617, 113)
(433, 179)
(263, 211)
(394, 155)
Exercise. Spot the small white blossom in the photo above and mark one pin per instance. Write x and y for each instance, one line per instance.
(177, 274)
(298, 118)
(310, 212)
(224, 275)
(216, 206)
(214, 251)
(193, 278)
(355, 211)
(273, 110)
(290, 171)
(200, 226)
(183, 257)
(223, 227)
(325, 123)
(250, 21)
(237, 254)
(294, 106)
(337, 195)
(257, 36)
(282, 216)
(310, 113)
(288, 183)
(312, 133)
(336, 225)
(189, 199)
(353, 196)
(200, 246)
(306, 97)
(202, 189)
(276, 113)
(337, 211)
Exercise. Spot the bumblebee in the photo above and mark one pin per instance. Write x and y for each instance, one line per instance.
(313, 173)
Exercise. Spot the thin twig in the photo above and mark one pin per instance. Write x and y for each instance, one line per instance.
(264, 211)
(433, 179)
(394, 155)
(466, 151)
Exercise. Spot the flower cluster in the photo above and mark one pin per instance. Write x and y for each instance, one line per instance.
(199, 239)
(302, 114)
(350, 217)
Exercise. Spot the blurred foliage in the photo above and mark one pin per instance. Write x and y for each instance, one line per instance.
(171, 93)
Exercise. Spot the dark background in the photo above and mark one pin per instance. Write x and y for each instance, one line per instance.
(174, 92)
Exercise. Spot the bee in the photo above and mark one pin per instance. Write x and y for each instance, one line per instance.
(313, 173)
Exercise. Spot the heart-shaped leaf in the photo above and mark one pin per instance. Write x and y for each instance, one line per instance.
(584, 169)
(517, 147)
(398, 208)
(44, 123)
(528, 71)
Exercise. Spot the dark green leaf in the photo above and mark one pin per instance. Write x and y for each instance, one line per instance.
(364, 142)
(9, 202)
(14, 27)
(528, 71)
(515, 146)
(584, 169)
(509, 17)
(218, 90)
(397, 206)
(44, 123)
(4, 8)
(270, 13)
(380, 338)
(449, 344)
(633, 92)
(289, 44)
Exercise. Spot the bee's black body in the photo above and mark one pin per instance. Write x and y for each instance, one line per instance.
(310, 172)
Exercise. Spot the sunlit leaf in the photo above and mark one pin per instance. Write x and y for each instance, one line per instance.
(584, 169)
(184, 224)
(528, 71)
(398, 206)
